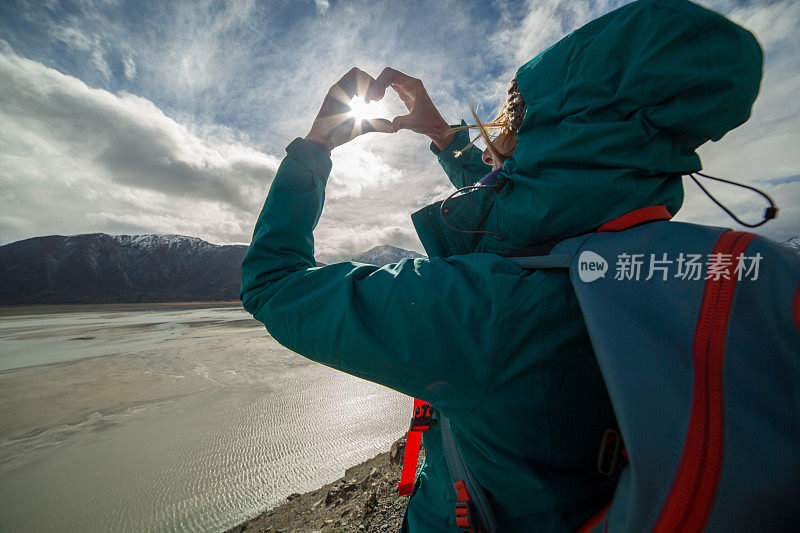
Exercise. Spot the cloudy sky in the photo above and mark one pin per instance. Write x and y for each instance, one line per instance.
(172, 117)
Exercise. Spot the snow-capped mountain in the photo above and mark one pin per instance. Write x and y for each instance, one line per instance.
(101, 268)
(152, 242)
(793, 243)
(384, 255)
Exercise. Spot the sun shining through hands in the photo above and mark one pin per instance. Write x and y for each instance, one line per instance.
(336, 122)
(354, 106)
(361, 110)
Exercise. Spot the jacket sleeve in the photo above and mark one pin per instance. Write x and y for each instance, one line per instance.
(422, 327)
(465, 169)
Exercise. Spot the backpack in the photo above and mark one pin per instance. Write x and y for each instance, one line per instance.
(696, 331)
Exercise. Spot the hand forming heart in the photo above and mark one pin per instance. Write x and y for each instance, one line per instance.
(423, 117)
(336, 125)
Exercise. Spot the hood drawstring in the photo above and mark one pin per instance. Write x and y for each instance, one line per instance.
(770, 213)
(444, 211)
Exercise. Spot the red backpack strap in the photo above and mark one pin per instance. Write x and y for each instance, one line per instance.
(688, 504)
(634, 218)
(797, 308)
(422, 420)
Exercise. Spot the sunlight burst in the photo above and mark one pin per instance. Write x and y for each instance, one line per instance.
(361, 110)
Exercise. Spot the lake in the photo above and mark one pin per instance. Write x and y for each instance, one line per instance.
(169, 418)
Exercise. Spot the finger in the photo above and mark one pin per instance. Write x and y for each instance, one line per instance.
(378, 88)
(376, 91)
(378, 125)
(355, 82)
(402, 122)
(390, 76)
(404, 96)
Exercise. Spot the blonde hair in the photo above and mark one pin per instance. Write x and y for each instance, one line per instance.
(506, 123)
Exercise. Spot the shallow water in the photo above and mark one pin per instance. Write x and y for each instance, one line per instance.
(180, 420)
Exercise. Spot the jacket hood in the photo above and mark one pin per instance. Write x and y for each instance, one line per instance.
(614, 113)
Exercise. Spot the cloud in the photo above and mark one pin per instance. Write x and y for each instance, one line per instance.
(129, 67)
(74, 158)
(197, 100)
(356, 167)
(90, 45)
(342, 241)
(261, 74)
(531, 29)
(322, 5)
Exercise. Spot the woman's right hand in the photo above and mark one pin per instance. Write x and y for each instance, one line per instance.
(423, 117)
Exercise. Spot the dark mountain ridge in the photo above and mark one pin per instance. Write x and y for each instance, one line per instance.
(101, 268)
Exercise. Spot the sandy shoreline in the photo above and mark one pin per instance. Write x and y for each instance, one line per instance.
(205, 418)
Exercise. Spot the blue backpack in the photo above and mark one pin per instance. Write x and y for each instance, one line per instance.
(696, 330)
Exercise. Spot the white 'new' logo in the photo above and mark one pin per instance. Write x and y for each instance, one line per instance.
(591, 266)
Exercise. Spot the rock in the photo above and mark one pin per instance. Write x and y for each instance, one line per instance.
(331, 496)
(371, 503)
(293, 495)
(397, 451)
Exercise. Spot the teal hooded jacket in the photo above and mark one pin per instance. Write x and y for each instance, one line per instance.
(614, 113)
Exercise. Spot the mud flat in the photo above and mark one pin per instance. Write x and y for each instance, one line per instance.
(170, 416)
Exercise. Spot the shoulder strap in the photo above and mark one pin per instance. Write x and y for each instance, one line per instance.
(544, 261)
(559, 254)
(473, 511)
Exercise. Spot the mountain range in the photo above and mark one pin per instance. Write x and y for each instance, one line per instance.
(101, 268)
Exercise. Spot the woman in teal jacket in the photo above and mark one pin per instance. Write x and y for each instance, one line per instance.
(613, 115)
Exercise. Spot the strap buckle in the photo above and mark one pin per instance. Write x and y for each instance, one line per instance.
(422, 418)
(609, 452)
(463, 520)
(463, 514)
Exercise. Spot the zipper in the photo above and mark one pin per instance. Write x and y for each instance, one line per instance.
(688, 504)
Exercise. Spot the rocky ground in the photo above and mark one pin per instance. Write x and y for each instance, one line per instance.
(365, 499)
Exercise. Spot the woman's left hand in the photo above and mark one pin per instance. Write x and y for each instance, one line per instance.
(334, 124)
